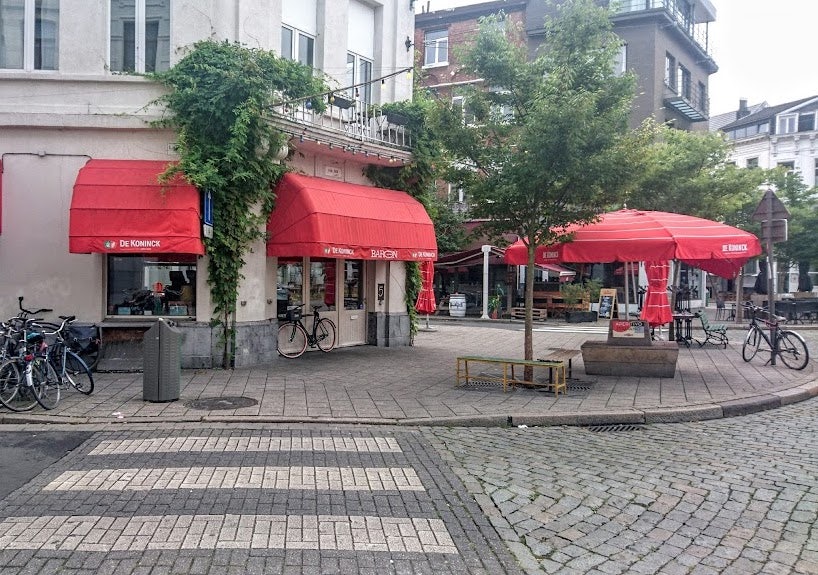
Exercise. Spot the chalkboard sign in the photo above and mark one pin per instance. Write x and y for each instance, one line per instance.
(607, 303)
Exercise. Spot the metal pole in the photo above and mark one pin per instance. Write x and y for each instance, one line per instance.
(770, 282)
(486, 249)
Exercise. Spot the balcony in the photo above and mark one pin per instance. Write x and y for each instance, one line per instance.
(348, 127)
(692, 106)
(689, 17)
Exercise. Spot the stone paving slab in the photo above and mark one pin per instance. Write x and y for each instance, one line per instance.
(416, 386)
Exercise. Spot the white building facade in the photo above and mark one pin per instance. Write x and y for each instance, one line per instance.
(75, 135)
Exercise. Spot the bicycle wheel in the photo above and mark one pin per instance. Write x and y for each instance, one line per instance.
(792, 349)
(78, 373)
(292, 340)
(325, 334)
(88, 354)
(46, 383)
(14, 394)
(751, 344)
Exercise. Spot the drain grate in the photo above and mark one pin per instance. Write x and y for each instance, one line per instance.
(224, 402)
(579, 387)
(616, 427)
(481, 385)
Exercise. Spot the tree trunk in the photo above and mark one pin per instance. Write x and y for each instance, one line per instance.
(529, 306)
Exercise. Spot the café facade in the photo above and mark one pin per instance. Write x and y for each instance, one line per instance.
(87, 229)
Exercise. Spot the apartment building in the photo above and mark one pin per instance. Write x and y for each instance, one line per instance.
(85, 228)
(779, 135)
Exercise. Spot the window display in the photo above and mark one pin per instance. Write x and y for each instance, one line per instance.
(161, 284)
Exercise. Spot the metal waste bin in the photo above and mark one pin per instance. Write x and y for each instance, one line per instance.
(162, 370)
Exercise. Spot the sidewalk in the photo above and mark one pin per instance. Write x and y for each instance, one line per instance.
(416, 386)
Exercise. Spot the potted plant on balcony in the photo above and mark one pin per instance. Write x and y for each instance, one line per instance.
(572, 295)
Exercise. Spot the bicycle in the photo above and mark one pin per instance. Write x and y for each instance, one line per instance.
(70, 369)
(83, 340)
(26, 376)
(293, 337)
(786, 344)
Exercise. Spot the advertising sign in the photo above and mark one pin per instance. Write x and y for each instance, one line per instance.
(607, 303)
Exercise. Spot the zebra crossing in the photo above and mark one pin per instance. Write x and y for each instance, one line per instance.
(360, 497)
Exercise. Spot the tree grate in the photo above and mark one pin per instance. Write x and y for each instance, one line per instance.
(616, 427)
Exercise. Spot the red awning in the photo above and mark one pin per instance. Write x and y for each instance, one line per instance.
(315, 217)
(118, 206)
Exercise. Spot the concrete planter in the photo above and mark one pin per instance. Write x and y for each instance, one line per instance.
(580, 316)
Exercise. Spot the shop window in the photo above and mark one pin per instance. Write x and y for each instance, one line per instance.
(163, 284)
(322, 284)
(353, 284)
(29, 34)
(140, 35)
(290, 284)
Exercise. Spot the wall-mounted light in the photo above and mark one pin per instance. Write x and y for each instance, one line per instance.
(411, 5)
(408, 43)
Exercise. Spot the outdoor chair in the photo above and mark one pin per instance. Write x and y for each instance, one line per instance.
(713, 333)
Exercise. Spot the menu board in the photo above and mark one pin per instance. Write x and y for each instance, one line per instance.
(607, 303)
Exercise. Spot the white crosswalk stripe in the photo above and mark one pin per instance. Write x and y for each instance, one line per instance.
(247, 444)
(142, 533)
(573, 329)
(255, 477)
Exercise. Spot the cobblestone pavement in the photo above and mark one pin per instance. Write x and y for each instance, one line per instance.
(729, 496)
(255, 500)
(416, 385)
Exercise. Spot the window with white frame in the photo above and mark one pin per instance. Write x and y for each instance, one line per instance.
(806, 122)
(140, 35)
(456, 194)
(29, 34)
(787, 124)
(752, 162)
(359, 75)
(459, 104)
(436, 48)
(296, 45)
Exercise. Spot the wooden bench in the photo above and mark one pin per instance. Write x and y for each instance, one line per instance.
(562, 355)
(556, 372)
(537, 314)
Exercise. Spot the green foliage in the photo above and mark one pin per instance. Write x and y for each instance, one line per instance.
(593, 287)
(413, 285)
(220, 99)
(573, 293)
(688, 173)
(549, 143)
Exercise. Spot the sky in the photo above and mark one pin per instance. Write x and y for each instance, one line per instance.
(763, 49)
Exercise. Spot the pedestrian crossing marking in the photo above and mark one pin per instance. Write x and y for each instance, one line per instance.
(573, 329)
(247, 444)
(174, 532)
(245, 477)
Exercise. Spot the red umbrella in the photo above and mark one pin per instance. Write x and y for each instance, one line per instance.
(635, 235)
(426, 297)
(656, 310)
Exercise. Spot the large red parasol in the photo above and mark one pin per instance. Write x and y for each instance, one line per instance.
(656, 310)
(635, 235)
(426, 297)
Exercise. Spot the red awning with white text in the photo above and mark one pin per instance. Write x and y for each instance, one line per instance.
(315, 217)
(119, 206)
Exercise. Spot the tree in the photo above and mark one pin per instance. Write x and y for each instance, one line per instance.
(546, 143)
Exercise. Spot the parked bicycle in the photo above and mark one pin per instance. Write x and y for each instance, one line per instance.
(293, 336)
(786, 344)
(26, 376)
(70, 369)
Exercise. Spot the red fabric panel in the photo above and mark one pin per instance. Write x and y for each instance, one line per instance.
(656, 310)
(315, 217)
(633, 236)
(118, 206)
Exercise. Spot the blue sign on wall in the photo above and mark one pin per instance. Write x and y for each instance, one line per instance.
(207, 208)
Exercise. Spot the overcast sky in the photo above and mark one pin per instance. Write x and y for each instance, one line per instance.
(763, 48)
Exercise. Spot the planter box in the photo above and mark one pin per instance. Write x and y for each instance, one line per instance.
(657, 360)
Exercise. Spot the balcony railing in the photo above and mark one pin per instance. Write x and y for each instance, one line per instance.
(347, 122)
(683, 19)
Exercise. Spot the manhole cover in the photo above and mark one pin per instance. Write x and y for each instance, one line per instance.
(227, 402)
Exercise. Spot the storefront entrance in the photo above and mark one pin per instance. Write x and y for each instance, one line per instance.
(335, 286)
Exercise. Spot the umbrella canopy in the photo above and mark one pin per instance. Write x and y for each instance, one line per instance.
(426, 297)
(656, 310)
(636, 235)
